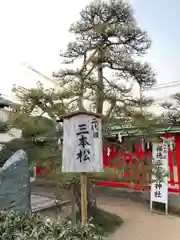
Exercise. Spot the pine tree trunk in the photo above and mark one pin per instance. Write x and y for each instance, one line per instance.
(99, 93)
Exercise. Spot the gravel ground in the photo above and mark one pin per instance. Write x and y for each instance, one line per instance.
(139, 223)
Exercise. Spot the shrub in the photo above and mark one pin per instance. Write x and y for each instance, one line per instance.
(16, 226)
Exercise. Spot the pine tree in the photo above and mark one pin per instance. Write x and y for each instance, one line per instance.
(39, 132)
(108, 51)
(172, 107)
(108, 41)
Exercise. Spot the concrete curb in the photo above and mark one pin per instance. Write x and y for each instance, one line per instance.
(56, 204)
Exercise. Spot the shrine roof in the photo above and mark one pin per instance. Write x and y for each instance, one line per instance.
(78, 113)
(159, 129)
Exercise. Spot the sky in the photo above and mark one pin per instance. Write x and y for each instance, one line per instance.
(160, 19)
(34, 32)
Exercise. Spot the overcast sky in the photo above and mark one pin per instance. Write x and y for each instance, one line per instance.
(34, 31)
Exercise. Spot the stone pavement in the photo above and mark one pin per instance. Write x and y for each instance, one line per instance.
(139, 223)
(40, 202)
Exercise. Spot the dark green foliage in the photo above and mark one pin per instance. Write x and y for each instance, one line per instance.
(37, 152)
(172, 107)
(15, 226)
(4, 127)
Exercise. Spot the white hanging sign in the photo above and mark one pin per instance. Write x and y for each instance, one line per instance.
(159, 186)
(82, 144)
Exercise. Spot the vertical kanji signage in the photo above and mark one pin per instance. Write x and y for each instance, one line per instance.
(84, 150)
(82, 143)
(159, 186)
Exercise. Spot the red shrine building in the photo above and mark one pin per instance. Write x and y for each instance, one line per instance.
(134, 154)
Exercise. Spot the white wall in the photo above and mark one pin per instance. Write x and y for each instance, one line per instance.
(4, 114)
(12, 133)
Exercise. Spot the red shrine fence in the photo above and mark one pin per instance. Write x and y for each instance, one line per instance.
(129, 170)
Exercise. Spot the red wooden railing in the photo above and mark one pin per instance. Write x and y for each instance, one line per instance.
(115, 160)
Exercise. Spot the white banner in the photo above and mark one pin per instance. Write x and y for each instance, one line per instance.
(82, 144)
(159, 186)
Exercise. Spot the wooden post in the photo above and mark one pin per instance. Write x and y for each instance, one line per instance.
(75, 124)
(84, 199)
(73, 198)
